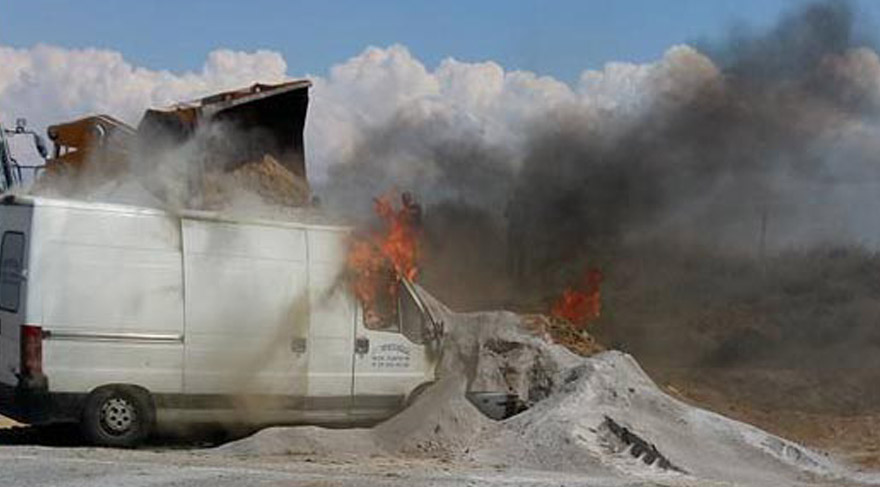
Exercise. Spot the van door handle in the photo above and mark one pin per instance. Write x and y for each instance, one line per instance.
(298, 345)
(361, 345)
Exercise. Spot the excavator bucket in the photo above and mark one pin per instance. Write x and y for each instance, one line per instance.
(251, 138)
(257, 121)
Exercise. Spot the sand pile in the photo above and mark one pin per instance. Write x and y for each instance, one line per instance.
(440, 424)
(571, 431)
(500, 352)
(265, 178)
(303, 440)
(261, 183)
(599, 415)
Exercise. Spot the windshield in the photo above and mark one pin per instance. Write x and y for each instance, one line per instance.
(19, 156)
(24, 152)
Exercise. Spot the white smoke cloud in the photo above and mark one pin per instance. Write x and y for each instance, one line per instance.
(383, 88)
(49, 84)
(370, 89)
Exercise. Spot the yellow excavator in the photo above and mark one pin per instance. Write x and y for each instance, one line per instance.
(259, 137)
(87, 139)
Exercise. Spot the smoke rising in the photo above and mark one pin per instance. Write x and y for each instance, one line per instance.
(704, 184)
(49, 84)
(709, 145)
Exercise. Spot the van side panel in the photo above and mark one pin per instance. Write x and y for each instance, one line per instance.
(15, 232)
(246, 308)
(331, 336)
(110, 293)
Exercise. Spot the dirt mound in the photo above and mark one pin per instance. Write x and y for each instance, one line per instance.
(563, 333)
(599, 415)
(441, 423)
(253, 184)
(498, 352)
(302, 440)
(501, 351)
(265, 178)
(570, 431)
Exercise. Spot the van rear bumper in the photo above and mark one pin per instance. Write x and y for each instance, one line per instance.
(36, 405)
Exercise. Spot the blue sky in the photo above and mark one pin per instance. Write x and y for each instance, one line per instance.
(558, 38)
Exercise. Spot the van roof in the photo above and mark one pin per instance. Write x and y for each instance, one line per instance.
(284, 217)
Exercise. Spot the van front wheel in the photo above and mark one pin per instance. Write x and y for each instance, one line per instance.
(119, 416)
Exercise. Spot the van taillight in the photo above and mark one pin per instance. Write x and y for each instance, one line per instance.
(31, 350)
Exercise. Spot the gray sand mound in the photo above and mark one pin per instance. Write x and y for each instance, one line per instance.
(302, 440)
(571, 431)
(496, 352)
(599, 415)
(441, 422)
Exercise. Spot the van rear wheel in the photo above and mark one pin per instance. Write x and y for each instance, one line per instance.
(119, 416)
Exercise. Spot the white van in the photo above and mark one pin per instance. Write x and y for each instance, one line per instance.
(118, 317)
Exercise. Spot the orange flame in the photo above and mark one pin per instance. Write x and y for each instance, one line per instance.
(400, 242)
(582, 305)
(368, 267)
(377, 259)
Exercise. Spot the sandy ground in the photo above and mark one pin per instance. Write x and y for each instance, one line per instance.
(72, 467)
(853, 438)
(282, 462)
(585, 413)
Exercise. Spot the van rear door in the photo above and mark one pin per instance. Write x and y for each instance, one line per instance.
(15, 224)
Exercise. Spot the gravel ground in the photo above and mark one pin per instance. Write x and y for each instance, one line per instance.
(70, 467)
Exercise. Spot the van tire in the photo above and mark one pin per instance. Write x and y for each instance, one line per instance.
(118, 416)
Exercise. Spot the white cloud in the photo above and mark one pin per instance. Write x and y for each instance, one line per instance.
(49, 84)
(370, 89)
(627, 87)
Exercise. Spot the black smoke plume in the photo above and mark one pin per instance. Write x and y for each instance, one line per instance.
(775, 152)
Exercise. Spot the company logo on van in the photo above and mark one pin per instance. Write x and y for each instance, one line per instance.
(391, 356)
(394, 347)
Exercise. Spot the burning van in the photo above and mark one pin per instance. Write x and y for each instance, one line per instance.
(121, 318)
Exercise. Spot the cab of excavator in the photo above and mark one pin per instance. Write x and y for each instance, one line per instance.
(20, 164)
(87, 139)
